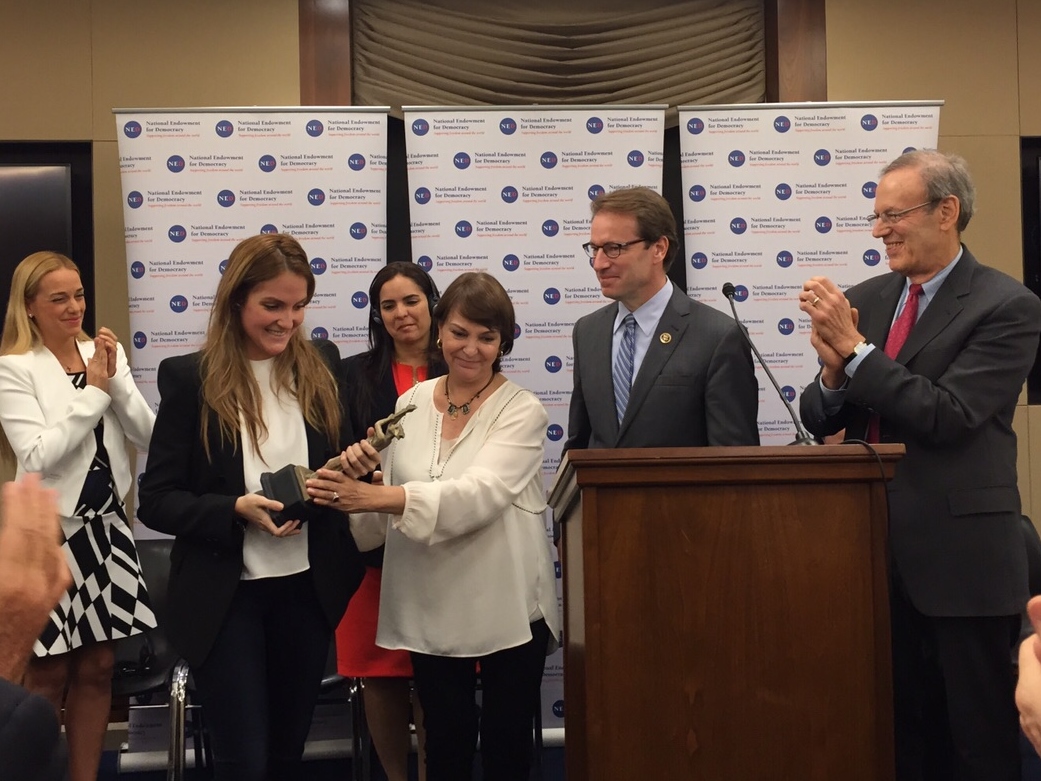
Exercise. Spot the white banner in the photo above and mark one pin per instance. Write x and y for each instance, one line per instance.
(779, 193)
(507, 191)
(198, 181)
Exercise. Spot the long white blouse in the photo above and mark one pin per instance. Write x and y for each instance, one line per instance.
(468, 564)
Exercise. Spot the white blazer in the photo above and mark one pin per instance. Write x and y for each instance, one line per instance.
(50, 424)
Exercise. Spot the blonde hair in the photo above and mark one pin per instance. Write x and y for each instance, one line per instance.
(229, 388)
(21, 334)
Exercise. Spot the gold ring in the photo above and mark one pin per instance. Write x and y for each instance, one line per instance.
(815, 301)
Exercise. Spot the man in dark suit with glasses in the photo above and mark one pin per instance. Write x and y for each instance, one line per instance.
(654, 368)
(934, 355)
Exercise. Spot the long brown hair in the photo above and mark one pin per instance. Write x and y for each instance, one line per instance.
(229, 388)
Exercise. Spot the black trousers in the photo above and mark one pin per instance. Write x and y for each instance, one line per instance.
(510, 682)
(259, 684)
(955, 715)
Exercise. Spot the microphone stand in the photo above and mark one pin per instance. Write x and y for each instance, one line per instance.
(803, 437)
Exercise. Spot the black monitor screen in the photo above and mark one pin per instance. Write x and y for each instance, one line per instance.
(35, 215)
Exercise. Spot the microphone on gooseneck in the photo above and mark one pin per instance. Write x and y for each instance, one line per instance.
(803, 437)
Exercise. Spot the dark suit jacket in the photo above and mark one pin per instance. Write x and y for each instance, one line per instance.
(185, 495)
(31, 746)
(949, 396)
(697, 389)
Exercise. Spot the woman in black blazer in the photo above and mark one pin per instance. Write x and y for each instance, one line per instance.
(252, 599)
(401, 353)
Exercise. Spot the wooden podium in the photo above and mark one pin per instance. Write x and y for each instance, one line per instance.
(726, 613)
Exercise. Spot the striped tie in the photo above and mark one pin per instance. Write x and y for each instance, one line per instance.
(622, 371)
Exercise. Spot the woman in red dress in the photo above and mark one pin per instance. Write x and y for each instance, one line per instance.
(401, 336)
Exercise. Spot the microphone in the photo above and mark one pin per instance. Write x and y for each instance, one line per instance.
(803, 437)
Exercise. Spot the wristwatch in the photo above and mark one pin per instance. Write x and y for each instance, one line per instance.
(857, 350)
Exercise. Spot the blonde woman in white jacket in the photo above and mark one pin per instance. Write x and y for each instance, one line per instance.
(468, 572)
(67, 404)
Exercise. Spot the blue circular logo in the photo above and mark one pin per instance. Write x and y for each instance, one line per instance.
(783, 191)
(908, 149)
(509, 194)
(318, 266)
(463, 229)
(551, 296)
(507, 126)
(356, 162)
(740, 293)
(788, 392)
(267, 163)
(135, 200)
(869, 122)
(594, 125)
(140, 339)
(177, 234)
(785, 258)
(698, 260)
(554, 364)
(316, 196)
(738, 225)
(550, 228)
(782, 124)
(872, 257)
(635, 158)
(222, 266)
(695, 126)
(516, 332)
(360, 299)
(548, 160)
(268, 229)
(224, 128)
(420, 127)
(422, 195)
(594, 191)
(785, 326)
(315, 128)
(696, 193)
(359, 230)
(868, 189)
(461, 160)
(736, 158)
(555, 432)
(319, 333)
(179, 304)
(132, 129)
(137, 269)
(510, 262)
(822, 157)
(226, 198)
(822, 224)
(175, 164)
(425, 263)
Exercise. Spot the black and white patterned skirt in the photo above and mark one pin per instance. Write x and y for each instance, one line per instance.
(108, 599)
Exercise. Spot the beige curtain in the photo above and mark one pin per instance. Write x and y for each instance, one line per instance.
(472, 52)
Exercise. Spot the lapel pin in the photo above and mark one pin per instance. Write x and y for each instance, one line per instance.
(664, 338)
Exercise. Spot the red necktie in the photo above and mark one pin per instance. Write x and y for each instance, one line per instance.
(897, 336)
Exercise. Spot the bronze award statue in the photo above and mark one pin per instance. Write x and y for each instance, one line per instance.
(289, 484)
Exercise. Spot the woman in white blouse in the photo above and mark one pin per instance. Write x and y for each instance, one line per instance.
(468, 575)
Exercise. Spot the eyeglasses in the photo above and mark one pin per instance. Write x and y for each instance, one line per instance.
(612, 249)
(892, 218)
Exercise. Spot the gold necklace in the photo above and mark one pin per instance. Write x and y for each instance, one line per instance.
(453, 410)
